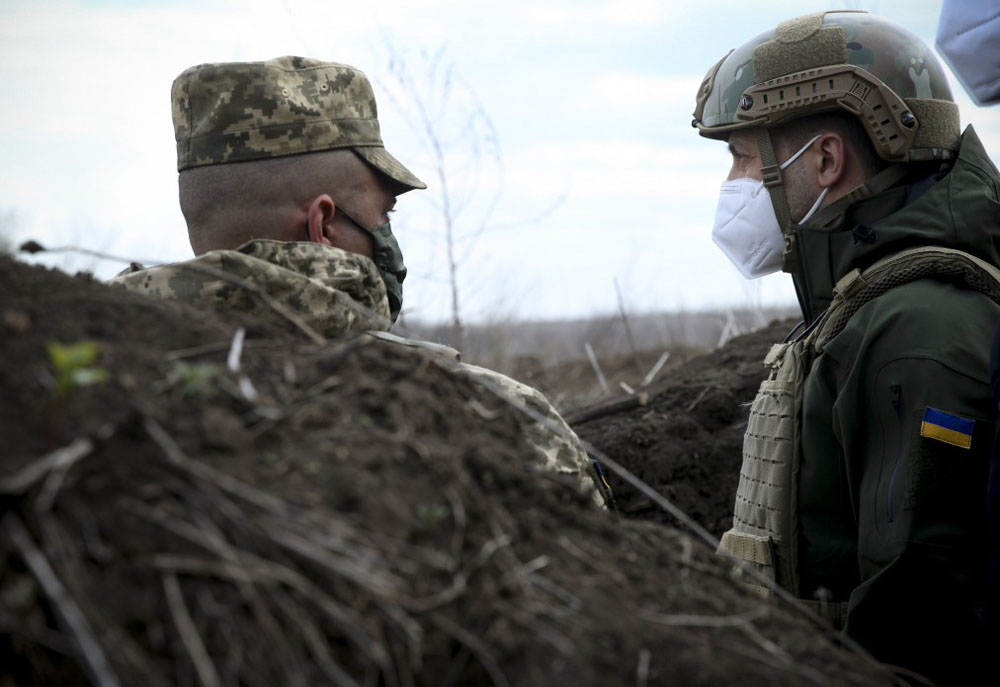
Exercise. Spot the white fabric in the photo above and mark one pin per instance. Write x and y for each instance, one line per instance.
(968, 37)
(746, 228)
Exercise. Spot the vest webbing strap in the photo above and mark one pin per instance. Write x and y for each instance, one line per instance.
(746, 547)
(764, 535)
(857, 288)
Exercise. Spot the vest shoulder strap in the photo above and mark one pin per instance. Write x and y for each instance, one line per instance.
(935, 262)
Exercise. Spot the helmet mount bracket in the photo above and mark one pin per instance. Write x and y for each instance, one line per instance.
(886, 117)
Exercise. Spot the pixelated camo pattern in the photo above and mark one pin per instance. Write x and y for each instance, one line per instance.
(560, 452)
(229, 112)
(241, 111)
(321, 284)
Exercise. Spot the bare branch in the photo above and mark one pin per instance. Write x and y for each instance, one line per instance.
(479, 649)
(69, 614)
(683, 620)
(207, 674)
(60, 459)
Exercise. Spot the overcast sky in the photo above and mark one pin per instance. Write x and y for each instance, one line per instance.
(595, 175)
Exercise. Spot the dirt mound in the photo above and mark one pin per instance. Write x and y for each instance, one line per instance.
(686, 441)
(354, 513)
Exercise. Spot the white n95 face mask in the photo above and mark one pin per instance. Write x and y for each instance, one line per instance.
(746, 228)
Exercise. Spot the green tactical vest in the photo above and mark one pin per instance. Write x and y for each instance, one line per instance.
(765, 535)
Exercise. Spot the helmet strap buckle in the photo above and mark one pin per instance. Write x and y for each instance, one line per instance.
(771, 175)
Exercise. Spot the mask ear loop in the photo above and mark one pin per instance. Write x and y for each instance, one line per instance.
(803, 149)
(822, 195)
(815, 206)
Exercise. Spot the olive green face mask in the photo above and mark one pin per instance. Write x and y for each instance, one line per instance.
(388, 259)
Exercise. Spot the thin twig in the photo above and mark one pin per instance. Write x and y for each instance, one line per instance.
(475, 645)
(655, 369)
(35, 247)
(460, 582)
(346, 620)
(642, 669)
(628, 327)
(698, 399)
(755, 655)
(236, 350)
(782, 656)
(684, 620)
(459, 519)
(564, 595)
(220, 346)
(225, 482)
(95, 662)
(207, 675)
(316, 642)
(596, 366)
(60, 459)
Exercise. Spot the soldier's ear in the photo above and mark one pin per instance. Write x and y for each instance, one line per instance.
(320, 220)
(831, 158)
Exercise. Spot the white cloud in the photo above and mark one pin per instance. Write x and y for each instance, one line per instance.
(592, 100)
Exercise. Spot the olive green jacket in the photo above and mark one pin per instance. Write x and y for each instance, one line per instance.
(891, 520)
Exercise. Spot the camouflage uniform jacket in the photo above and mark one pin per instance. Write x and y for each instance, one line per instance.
(332, 292)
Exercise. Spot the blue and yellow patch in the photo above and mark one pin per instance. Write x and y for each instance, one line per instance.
(951, 429)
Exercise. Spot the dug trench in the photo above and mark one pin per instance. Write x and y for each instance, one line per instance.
(348, 513)
(684, 435)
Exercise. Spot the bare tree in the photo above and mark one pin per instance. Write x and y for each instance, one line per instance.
(460, 142)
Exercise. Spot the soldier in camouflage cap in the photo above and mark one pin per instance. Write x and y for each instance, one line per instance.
(287, 149)
(234, 112)
(286, 189)
(863, 478)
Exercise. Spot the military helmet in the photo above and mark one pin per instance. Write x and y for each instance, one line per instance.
(836, 61)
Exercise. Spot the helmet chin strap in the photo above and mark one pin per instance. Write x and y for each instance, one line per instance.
(770, 172)
(832, 214)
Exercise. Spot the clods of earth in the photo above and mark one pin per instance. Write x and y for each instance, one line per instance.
(179, 508)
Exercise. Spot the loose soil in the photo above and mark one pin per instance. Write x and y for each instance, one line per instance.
(686, 440)
(349, 513)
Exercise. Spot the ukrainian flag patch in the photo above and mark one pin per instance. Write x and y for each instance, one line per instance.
(951, 429)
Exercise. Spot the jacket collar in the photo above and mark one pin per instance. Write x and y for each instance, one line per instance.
(897, 209)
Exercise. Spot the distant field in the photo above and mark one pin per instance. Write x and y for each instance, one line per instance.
(551, 355)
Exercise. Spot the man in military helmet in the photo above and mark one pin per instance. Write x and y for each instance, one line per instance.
(286, 188)
(865, 455)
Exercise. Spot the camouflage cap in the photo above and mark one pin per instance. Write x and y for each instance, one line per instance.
(241, 111)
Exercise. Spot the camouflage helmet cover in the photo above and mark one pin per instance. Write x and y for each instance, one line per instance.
(844, 60)
(241, 111)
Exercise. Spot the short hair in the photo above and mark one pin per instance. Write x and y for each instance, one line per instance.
(226, 205)
(797, 133)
